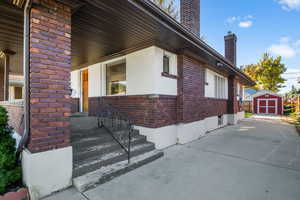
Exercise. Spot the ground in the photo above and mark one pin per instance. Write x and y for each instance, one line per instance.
(257, 159)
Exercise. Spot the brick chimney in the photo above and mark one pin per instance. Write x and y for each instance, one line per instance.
(230, 47)
(190, 15)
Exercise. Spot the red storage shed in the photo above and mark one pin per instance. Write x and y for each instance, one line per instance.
(266, 102)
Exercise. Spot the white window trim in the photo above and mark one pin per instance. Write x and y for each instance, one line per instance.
(103, 75)
(220, 87)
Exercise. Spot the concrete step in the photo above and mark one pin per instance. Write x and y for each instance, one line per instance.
(97, 132)
(86, 150)
(93, 163)
(86, 142)
(104, 174)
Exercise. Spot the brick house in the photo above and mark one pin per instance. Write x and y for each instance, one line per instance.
(79, 56)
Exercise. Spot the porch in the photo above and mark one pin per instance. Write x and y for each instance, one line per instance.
(125, 46)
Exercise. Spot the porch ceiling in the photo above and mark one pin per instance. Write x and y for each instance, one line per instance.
(11, 35)
(103, 28)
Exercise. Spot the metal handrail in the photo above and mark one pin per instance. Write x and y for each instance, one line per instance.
(112, 120)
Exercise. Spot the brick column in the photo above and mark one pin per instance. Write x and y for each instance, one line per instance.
(232, 95)
(50, 67)
(49, 147)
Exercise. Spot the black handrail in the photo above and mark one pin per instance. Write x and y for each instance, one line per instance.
(114, 121)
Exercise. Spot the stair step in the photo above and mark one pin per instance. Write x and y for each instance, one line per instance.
(93, 163)
(88, 150)
(98, 132)
(104, 174)
(85, 142)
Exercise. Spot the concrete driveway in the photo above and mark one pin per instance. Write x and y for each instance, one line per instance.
(257, 159)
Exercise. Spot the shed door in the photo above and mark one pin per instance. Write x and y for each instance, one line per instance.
(267, 106)
(272, 106)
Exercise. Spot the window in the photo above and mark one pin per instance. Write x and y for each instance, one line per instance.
(18, 92)
(220, 87)
(116, 79)
(166, 64)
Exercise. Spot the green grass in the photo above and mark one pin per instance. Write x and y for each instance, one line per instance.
(248, 114)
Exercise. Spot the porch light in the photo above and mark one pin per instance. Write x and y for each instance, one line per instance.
(18, 3)
(2, 54)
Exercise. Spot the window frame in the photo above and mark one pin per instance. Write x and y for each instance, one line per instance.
(220, 87)
(168, 66)
(110, 64)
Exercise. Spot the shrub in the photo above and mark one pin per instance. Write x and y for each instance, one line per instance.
(10, 170)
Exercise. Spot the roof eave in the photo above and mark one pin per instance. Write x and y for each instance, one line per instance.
(193, 38)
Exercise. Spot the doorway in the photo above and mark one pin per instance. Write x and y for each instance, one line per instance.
(85, 90)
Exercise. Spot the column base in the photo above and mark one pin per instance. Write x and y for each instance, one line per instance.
(233, 119)
(47, 172)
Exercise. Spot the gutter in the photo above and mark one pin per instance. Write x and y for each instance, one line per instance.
(184, 33)
(24, 141)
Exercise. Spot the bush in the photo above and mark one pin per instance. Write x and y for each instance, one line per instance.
(10, 170)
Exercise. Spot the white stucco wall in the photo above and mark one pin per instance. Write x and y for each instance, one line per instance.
(75, 83)
(140, 72)
(143, 74)
(210, 86)
(94, 82)
(181, 133)
(164, 85)
(47, 172)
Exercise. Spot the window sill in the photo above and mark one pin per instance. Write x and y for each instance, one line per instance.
(169, 75)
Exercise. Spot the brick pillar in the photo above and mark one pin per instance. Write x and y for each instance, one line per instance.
(49, 147)
(50, 67)
(190, 15)
(232, 95)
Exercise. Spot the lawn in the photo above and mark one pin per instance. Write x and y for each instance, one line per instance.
(248, 114)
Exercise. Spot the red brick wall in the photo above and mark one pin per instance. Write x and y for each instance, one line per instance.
(15, 113)
(50, 66)
(151, 111)
(192, 105)
(233, 103)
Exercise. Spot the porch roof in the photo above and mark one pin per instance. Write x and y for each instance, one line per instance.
(106, 29)
(102, 29)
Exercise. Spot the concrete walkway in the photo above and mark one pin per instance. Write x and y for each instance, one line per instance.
(257, 159)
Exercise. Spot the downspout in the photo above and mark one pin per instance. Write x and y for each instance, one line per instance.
(24, 141)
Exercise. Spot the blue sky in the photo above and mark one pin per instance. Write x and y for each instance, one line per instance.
(261, 26)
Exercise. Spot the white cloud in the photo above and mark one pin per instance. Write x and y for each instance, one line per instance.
(283, 50)
(231, 20)
(245, 24)
(284, 39)
(290, 4)
(297, 43)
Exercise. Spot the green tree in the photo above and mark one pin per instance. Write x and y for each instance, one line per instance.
(10, 170)
(267, 73)
(168, 6)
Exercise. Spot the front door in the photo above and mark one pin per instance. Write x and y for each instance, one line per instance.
(85, 88)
